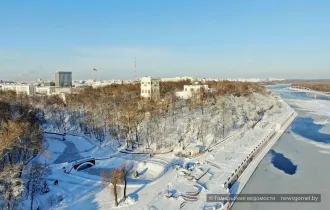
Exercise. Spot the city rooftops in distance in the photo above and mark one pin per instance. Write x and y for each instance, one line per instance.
(150, 78)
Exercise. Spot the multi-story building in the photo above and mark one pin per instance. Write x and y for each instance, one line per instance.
(49, 83)
(45, 90)
(19, 88)
(64, 91)
(150, 88)
(190, 90)
(63, 79)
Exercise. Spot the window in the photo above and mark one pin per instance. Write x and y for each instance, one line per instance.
(148, 83)
(185, 89)
(148, 91)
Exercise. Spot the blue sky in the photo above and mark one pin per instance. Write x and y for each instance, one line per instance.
(257, 38)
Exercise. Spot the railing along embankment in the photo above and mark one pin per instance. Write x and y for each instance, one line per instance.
(246, 168)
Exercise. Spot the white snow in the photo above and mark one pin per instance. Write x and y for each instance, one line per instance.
(310, 157)
(158, 176)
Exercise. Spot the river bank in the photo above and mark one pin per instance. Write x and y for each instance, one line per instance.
(305, 145)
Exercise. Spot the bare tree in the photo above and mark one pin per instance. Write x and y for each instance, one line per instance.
(37, 175)
(125, 170)
(224, 115)
(11, 185)
(113, 177)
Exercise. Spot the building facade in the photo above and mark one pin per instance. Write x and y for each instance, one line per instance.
(189, 90)
(150, 88)
(63, 79)
(20, 89)
(48, 83)
(45, 90)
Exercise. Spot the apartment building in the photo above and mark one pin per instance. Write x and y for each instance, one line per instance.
(63, 79)
(19, 88)
(45, 90)
(150, 87)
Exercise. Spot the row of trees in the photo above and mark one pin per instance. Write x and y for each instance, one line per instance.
(20, 140)
(236, 88)
(116, 111)
(318, 86)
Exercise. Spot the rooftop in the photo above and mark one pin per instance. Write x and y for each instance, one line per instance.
(64, 72)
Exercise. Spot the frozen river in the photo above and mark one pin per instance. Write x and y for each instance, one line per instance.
(299, 161)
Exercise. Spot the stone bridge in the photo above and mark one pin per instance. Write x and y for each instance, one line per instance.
(79, 164)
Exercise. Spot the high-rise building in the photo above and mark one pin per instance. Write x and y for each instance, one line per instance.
(150, 88)
(63, 79)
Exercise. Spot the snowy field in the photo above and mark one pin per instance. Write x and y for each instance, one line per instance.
(298, 162)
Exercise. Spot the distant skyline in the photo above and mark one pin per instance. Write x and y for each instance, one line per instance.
(217, 39)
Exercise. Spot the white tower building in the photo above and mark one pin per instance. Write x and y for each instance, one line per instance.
(150, 88)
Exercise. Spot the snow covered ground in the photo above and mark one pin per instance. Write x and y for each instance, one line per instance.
(298, 162)
(83, 189)
(158, 178)
(221, 163)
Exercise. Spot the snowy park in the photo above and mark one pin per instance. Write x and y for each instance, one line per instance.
(141, 154)
(164, 105)
(158, 181)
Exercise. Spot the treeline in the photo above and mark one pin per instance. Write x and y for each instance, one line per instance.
(117, 111)
(236, 88)
(20, 140)
(318, 86)
(220, 87)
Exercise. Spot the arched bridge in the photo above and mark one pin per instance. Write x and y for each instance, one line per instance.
(78, 165)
